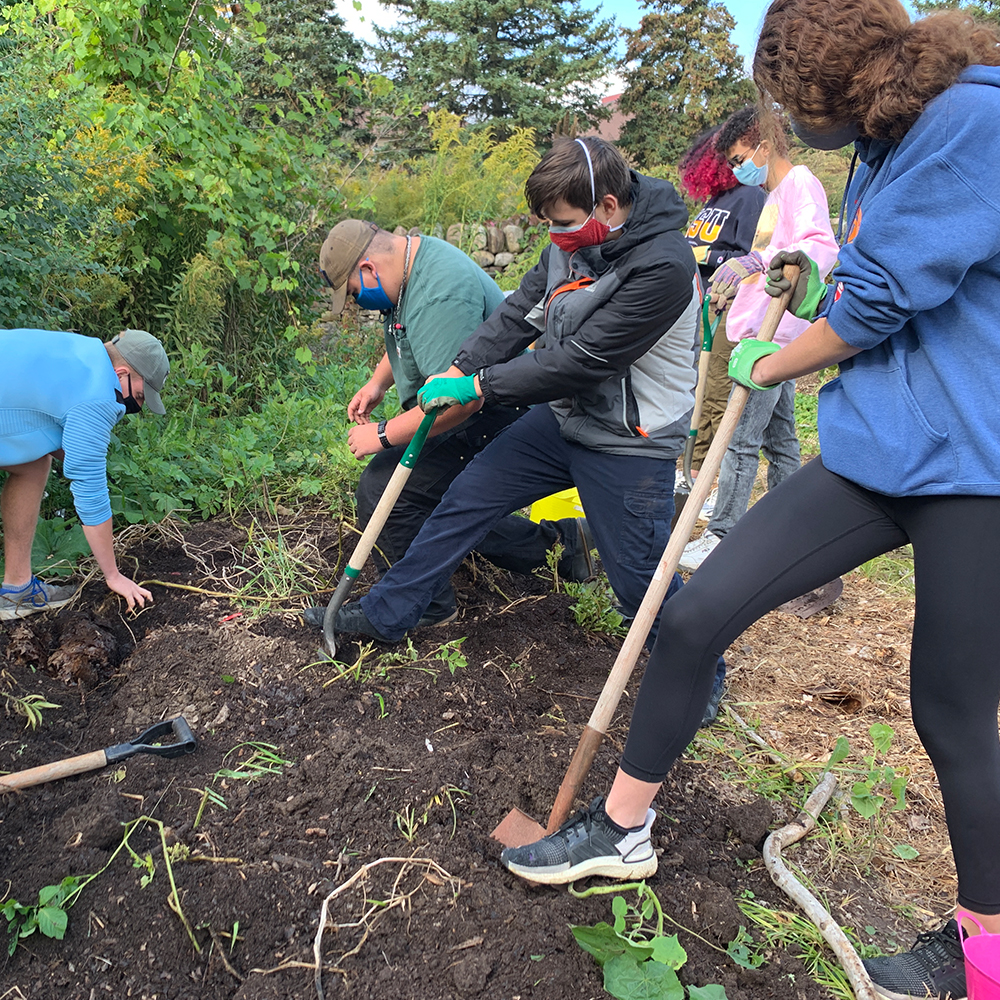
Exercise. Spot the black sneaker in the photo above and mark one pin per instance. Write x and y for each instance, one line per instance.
(437, 616)
(588, 843)
(351, 618)
(577, 564)
(934, 967)
(314, 615)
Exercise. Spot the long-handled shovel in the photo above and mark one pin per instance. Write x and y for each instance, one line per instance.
(708, 338)
(517, 828)
(151, 741)
(367, 542)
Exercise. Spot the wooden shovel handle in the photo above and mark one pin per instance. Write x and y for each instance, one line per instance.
(606, 705)
(50, 772)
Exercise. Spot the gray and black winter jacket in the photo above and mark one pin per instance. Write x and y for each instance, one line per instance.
(614, 359)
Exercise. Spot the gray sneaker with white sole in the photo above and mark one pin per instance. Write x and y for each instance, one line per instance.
(588, 843)
(34, 596)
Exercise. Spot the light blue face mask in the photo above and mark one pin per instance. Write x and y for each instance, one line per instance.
(749, 173)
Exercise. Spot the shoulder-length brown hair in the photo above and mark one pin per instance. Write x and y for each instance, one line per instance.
(830, 62)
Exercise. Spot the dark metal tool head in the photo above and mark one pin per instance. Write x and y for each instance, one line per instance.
(151, 741)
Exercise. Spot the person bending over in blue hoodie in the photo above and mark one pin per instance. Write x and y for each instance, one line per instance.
(910, 436)
(61, 394)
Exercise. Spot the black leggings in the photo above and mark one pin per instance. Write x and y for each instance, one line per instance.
(812, 528)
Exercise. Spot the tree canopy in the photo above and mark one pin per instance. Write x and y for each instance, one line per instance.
(500, 63)
(682, 75)
(985, 10)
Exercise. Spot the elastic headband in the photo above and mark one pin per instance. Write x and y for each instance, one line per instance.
(590, 165)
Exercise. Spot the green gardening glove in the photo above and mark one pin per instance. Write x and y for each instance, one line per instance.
(810, 289)
(441, 392)
(745, 355)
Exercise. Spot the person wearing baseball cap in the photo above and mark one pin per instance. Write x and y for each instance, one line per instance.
(61, 394)
(432, 296)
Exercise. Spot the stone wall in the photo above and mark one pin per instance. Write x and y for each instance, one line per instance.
(494, 246)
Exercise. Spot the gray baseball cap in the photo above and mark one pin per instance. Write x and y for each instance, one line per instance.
(144, 353)
(342, 249)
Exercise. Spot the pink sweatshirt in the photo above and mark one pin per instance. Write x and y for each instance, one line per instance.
(796, 216)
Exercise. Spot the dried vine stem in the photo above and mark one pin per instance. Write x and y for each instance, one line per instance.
(395, 900)
(792, 833)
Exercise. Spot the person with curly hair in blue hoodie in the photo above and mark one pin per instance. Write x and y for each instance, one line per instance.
(909, 435)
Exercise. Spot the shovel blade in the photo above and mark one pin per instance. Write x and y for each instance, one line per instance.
(517, 829)
(815, 601)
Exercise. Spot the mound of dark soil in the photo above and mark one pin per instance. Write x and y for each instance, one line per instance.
(416, 757)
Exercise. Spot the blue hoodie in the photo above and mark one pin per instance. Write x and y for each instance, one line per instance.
(918, 290)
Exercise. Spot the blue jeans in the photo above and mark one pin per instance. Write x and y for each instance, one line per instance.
(628, 500)
(768, 425)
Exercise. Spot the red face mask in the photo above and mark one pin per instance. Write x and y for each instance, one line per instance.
(573, 238)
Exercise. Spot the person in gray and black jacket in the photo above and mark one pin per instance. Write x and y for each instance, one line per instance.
(612, 313)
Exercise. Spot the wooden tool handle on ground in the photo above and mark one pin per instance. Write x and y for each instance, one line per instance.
(50, 772)
(604, 710)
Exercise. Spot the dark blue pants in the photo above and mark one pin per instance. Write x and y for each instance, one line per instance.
(514, 543)
(628, 501)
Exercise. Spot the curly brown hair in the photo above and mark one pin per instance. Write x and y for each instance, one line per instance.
(830, 62)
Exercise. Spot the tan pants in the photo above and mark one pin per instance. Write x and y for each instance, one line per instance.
(716, 395)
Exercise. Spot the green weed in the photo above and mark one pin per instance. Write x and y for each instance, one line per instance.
(639, 961)
(596, 609)
(50, 915)
(30, 706)
(450, 654)
(263, 760)
(791, 932)
(893, 571)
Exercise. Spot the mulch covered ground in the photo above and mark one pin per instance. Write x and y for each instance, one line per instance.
(391, 771)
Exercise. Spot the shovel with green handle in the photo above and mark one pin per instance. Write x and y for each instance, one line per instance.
(375, 525)
(708, 338)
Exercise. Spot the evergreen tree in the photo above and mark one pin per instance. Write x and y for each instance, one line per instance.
(987, 11)
(682, 75)
(501, 63)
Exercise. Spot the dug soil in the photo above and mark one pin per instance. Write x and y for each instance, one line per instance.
(383, 776)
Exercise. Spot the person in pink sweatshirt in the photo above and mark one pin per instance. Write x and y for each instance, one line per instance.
(796, 216)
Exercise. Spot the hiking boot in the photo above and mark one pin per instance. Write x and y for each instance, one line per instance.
(34, 596)
(696, 552)
(934, 967)
(577, 564)
(588, 843)
(352, 618)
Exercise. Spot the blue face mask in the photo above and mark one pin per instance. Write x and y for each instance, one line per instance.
(373, 298)
(749, 173)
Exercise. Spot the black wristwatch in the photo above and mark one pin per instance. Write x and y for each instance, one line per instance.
(383, 439)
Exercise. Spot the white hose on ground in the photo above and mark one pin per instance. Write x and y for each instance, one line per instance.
(811, 906)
